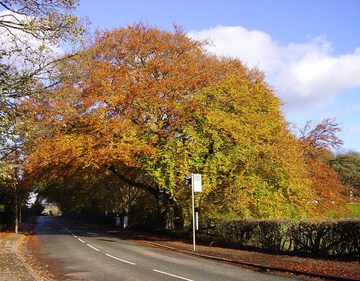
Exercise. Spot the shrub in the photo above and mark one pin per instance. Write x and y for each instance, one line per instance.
(327, 238)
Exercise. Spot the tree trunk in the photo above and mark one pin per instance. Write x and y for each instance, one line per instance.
(164, 200)
(179, 215)
(16, 211)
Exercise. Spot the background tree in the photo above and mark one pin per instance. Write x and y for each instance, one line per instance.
(14, 193)
(317, 142)
(31, 33)
(347, 165)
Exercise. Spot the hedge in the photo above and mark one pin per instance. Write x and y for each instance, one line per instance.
(325, 238)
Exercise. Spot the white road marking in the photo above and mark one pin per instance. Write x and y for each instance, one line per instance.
(125, 261)
(92, 247)
(116, 258)
(172, 275)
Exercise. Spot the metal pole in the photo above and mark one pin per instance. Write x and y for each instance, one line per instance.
(193, 209)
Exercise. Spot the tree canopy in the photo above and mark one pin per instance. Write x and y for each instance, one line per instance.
(347, 165)
(31, 33)
(147, 99)
(151, 107)
(316, 142)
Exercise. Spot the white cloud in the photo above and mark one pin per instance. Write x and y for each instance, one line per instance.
(305, 75)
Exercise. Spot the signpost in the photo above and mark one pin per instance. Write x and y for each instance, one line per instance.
(196, 186)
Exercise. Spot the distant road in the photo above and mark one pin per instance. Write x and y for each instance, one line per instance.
(89, 255)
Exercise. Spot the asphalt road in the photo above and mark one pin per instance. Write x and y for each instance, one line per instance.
(89, 255)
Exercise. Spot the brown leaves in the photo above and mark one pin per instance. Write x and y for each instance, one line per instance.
(316, 143)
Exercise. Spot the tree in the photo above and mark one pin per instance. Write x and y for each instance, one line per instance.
(317, 142)
(152, 106)
(252, 167)
(347, 165)
(13, 192)
(322, 136)
(132, 81)
(31, 33)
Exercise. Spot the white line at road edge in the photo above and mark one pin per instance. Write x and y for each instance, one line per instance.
(82, 241)
(172, 275)
(125, 261)
(92, 247)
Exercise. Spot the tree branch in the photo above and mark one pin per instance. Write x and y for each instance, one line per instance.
(152, 190)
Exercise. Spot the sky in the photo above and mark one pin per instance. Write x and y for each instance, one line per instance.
(309, 50)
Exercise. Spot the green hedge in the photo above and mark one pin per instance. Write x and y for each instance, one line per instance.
(328, 238)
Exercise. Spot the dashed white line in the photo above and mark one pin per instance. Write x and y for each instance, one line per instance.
(92, 247)
(172, 275)
(125, 261)
(113, 257)
(122, 260)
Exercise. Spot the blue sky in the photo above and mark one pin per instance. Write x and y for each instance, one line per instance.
(308, 49)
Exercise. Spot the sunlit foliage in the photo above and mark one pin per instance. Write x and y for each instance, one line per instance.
(151, 107)
(31, 33)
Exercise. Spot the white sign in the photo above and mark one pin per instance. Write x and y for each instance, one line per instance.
(196, 180)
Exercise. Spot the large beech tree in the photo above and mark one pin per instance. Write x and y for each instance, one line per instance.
(151, 106)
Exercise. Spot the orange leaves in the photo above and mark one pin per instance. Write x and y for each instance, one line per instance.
(329, 192)
(316, 142)
(153, 101)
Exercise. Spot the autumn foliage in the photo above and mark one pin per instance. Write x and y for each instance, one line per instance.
(142, 108)
(316, 142)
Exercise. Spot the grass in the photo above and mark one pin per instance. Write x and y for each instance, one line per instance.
(354, 209)
(352, 212)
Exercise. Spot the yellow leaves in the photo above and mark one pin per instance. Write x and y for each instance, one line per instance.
(147, 99)
(255, 164)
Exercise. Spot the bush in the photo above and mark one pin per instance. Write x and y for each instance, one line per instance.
(329, 238)
(272, 235)
(326, 238)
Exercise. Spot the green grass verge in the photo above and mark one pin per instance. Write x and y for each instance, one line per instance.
(354, 209)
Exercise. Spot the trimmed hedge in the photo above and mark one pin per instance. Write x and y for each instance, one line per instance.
(326, 238)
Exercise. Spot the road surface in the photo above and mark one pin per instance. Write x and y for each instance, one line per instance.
(87, 254)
